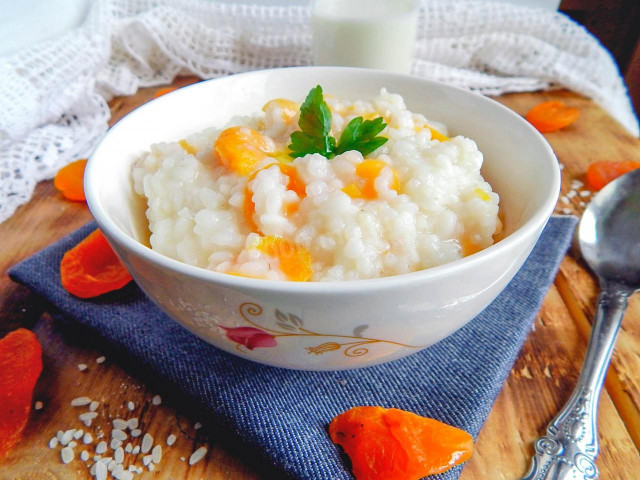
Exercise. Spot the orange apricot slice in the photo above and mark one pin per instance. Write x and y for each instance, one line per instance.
(601, 173)
(164, 91)
(551, 116)
(288, 108)
(295, 260)
(369, 171)
(69, 180)
(92, 268)
(20, 367)
(392, 444)
(241, 149)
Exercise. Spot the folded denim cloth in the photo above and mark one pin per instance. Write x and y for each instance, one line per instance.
(283, 414)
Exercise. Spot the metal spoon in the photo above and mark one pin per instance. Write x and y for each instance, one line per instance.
(609, 237)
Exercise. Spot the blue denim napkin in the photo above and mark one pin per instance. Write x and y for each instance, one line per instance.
(282, 415)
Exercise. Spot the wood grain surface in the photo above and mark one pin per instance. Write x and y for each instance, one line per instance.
(540, 382)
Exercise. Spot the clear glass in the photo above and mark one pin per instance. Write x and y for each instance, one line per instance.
(378, 34)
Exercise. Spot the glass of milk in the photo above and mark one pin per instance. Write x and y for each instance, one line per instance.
(377, 34)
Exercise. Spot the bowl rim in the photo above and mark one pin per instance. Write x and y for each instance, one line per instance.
(520, 235)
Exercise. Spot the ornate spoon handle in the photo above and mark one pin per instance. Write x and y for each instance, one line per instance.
(570, 447)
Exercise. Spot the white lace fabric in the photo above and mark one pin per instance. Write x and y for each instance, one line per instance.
(53, 96)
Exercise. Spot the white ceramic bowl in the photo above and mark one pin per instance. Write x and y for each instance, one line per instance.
(323, 325)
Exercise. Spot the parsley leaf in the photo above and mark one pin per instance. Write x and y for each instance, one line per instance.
(315, 127)
(361, 135)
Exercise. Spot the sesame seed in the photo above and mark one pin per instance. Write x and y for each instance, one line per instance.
(111, 465)
(38, 405)
(82, 367)
(101, 471)
(571, 193)
(115, 443)
(136, 450)
(67, 454)
(100, 360)
(131, 406)
(78, 434)
(132, 468)
(146, 460)
(118, 434)
(120, 424)
(139, 470)
(561, 166)
(136, 432)
(124, 475)
(102, 447)
(132, 423)
(147, 442)
(197, 455)
(87, 439)
(128, 448)
(53, 443)
(156, 454)
(566, 211)
(564, 199)
(72, 444)
(94, 406)
(92, 470)
(171, 439)
(576, 183)
(182, 459)
(84, 456)
(584, 193)
(197, 426)
(67, 436)
(157, 400)
(582, 204)
(119, 455)
(80, 401)
(151, 467)
(59, 435)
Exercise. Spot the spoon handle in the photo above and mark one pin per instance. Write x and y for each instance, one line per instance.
(569, 449)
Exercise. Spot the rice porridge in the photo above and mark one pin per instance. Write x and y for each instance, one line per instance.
(234, 200)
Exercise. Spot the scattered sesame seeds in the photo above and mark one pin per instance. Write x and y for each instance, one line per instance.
(197, 426)
(80, 401)
(136, 432)
(67, 454)
(156, 454)
(94, 406)
(84, 456)
(87, 439)
(53, 443)
(157, 400)
(115, 443)
(132, 423)
(131, 406)
(197, 455)
(118, 434)
(119, 455)
(102, 447)
(100, 360)
(82, 367)
(120, 424)
(147, 442)
(171, 439)
(38, 405)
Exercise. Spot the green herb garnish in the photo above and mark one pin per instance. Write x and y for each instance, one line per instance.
(315, 126)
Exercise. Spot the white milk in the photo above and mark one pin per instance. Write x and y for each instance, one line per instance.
(365, 33)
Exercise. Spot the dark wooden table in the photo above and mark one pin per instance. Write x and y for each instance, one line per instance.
(540, 382)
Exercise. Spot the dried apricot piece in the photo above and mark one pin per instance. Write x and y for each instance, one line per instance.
(295, 261)
(242, 148)
(369, 171)
(163, 91)
(69, 180)
(20, 367)
(92, 268)
(392, 444)
(552, 115)
(600, 174)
